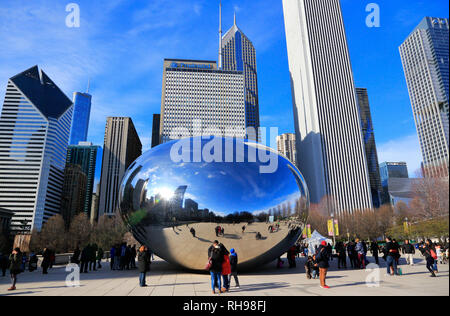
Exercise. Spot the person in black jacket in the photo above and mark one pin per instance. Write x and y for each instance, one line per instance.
(144, 262)
(215, 255)
(427, 250)
(3, 264)
(84, 260)
(322, 258)
(375, 249)
(45, 260)
(342, 257)
(409, 251)
(392, 252)
(234, 264)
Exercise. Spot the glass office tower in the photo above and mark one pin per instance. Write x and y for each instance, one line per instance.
(80, 120)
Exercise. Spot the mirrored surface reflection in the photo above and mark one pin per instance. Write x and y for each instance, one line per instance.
(179, 208)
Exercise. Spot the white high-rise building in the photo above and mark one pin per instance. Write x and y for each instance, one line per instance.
(330, 148)
(34, 133)
(286, 146)
(425, 58)
(199, 99)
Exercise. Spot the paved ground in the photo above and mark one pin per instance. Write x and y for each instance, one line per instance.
(165, 280)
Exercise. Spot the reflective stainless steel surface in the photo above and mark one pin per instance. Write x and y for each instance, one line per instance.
(163, 202)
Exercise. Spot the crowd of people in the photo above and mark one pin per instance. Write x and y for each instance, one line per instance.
(223, 264)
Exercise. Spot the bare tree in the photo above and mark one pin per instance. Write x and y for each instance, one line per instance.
(80, 231)
(52, 236)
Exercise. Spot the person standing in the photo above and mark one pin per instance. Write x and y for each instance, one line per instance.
(3, 264)
(360, 251)
(375, 249)
(226, 272)
(76, 256)
(32, 265)
(100, 254)
(409, 251)
(234, 267)
(215, 256)
(133, 257)
(84, 260)
(352, 254)
(322, 258)
(392, 251)
(46, 259)
(112, 254)
(143, 265)
(15, 260)
(342, 258)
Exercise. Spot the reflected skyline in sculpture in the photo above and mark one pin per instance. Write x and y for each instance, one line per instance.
(176, 208)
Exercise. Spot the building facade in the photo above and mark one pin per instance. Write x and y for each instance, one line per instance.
(73, 193)
(330, 146)
(121, 148)
(388, 171)
(87, 156)
(155, 130)
(239, 54)
(80, 118)
(370, 146)
(286, 146)
(34, 133)
(5, 221)
(425, 58)
(199, 99)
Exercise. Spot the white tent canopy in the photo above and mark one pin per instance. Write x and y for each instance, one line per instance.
(315, 241)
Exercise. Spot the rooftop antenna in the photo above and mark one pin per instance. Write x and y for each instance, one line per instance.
(220, 35)
(234, 17)
(89, 85)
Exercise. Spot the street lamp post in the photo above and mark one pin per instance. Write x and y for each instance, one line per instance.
(332, 225)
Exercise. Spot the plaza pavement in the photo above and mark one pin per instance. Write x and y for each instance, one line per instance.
(165, 280)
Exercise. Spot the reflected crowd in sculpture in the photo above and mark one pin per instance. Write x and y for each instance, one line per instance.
(179, 208)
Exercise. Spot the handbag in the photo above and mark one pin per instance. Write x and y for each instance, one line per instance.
(209, 265)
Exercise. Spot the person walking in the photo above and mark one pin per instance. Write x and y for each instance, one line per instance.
(322, 258)
(15, 260)
(144, 262)
(215, 256)
(3, 264)
(234, 267)
(46, 259)
(409, 251)
(429, 253)
(375, 249)
(392, 251)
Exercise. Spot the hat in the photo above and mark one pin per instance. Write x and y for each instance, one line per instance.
(324, 243)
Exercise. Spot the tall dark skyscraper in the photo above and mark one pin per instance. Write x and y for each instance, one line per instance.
(121, 148)
(370, 146)
(155, 130)
(87, 156)
(34, 132)
(425, 57)
(80, 119)
(239, 54)
(389, 171)
(73, 193)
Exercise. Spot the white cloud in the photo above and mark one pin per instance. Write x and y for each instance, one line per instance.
(405, 149)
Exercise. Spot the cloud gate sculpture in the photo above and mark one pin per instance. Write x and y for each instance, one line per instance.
(181, 196)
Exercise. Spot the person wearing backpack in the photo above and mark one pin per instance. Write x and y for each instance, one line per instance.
(216, 256)
(429, 253)
(15, 260)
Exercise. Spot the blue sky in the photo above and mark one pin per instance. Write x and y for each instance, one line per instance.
(121, 45)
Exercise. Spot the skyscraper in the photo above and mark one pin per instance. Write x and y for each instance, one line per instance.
(286, 147)
(330, 146)
(425, 58)
(34, 132)
(239, 54)
(73, 193)
(155, 129)
(86, 155)
(80, 118)
(196, 92)
(121, 148)
(370, 146)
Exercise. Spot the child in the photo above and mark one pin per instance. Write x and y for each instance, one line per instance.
(309, 265)
(315, 271)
